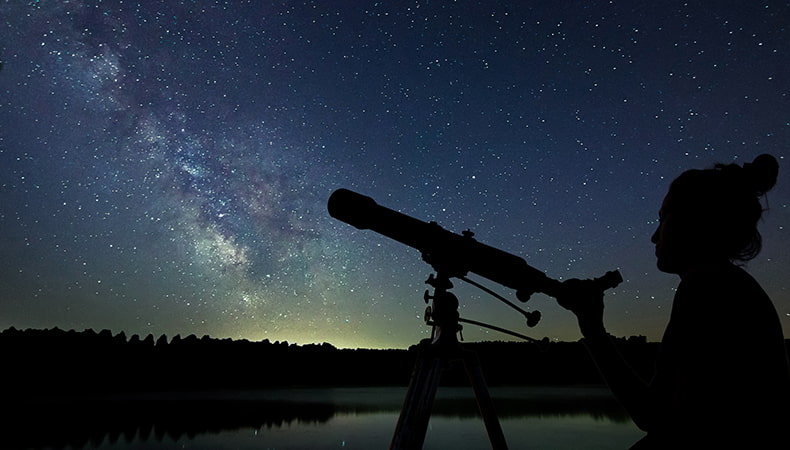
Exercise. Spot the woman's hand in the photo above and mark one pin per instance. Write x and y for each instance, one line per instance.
(584, 298)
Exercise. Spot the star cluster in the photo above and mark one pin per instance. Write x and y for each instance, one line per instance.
(165, 166)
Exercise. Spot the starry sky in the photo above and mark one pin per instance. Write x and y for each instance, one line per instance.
(165, 165)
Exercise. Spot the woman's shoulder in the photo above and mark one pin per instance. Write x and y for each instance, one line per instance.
(718, 288)
(725, 278)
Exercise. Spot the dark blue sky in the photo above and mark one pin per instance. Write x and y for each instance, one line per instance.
(165, 168)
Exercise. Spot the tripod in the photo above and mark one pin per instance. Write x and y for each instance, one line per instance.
(434, 355)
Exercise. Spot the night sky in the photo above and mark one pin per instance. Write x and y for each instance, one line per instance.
(165, 165)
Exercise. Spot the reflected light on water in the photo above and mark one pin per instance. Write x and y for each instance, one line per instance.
(361, 418)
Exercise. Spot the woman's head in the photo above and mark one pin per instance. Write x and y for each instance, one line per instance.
(712, 214)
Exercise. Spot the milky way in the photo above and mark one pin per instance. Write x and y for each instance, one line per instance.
(165, 168)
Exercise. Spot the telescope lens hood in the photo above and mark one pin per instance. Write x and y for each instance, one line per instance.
(352, 208)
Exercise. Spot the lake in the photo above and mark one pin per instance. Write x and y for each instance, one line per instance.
(321, 418)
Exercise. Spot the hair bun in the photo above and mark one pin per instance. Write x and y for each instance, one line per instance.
(762, 173)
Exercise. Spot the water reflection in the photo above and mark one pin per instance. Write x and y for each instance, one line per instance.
(336, 417)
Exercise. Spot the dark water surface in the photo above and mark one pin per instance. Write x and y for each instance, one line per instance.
(357, 418)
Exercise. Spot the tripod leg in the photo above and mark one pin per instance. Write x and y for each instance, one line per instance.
(484, 402)
(416, 411)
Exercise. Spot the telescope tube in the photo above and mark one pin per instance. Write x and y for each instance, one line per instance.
(449, 253)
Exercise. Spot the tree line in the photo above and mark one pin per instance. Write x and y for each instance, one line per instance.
(57, 361)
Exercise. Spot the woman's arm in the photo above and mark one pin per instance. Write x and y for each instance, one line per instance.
(629, 389)
(586, 301)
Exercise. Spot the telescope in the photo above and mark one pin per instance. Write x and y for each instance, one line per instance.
(451, 254)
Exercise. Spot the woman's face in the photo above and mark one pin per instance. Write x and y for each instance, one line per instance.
(678, 245)
(666, 260)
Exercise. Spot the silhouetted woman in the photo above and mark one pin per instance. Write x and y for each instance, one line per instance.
(721, 379)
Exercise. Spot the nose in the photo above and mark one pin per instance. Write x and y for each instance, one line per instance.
(654, 238)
